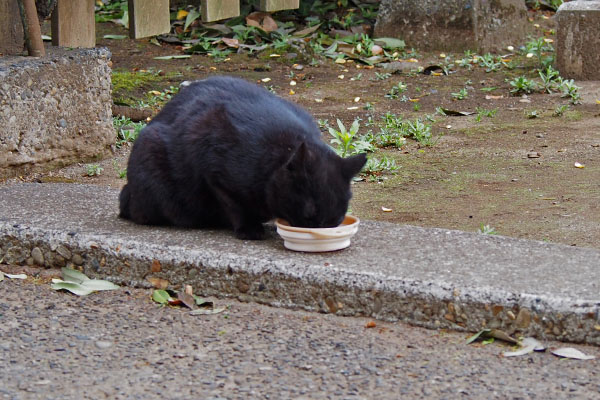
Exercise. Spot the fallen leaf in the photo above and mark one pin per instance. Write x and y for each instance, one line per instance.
(158, 282)
(371, 324)
(1, 276)
(161, 296)
(235, 43)
(490, 97)
(352, 108)
(306, 31)
(528, 345)
(261, 20)
(155, 267)
(174, 57)
(318, 100)
(578, 165)
(433, 69)
(533, 154)
(390, 43)
(114, 37)
(456, 113)
(340, 61)
(597, 101)
(72, 287)
(570, 352)
(187, 299)
(265, 80)
(293, 83)
(385, 209)
(72, 275)
(356, 99)
(203, 311)
(291, 92)
(181, 14)
(492, 333)
(14, 276)
(341, 76)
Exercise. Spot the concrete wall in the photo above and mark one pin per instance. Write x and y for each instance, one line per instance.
(454, 25)
(54, 110)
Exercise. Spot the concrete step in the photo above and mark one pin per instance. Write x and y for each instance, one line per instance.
(435, 278)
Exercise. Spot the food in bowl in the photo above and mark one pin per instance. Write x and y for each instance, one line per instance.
(317, 239)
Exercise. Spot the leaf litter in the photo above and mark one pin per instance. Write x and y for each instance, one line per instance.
(526, 345)
(185, 297)
(78, 283)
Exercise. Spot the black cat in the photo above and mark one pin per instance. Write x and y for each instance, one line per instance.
(227, 153)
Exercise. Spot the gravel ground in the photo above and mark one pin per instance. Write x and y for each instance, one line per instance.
(121, 345)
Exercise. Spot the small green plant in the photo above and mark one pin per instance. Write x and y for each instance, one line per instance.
(416, 107)
(569, 89)
(127, 130)
(522, 84)
(93, 169)
(482, 112)
(550, 79)
(560, 110)
(487, 230)
(461, 94)
(381, 76)
(532, 114)
(490, 63)
(375, 167)
(421, 132)
(399, 88)
(347, 142)
(539, 48)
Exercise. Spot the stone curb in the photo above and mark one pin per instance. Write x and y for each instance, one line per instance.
(428, 277)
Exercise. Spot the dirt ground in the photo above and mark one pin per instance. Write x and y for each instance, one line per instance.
(511, 172)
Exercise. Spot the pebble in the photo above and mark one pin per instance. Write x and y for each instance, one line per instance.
(102, 344)
(37, 255)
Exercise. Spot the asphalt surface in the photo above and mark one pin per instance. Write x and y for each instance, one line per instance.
(121, 345)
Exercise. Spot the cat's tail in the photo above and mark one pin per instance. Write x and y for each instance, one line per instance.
(124, 198)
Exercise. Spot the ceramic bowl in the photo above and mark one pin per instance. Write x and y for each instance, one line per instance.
(317, 239)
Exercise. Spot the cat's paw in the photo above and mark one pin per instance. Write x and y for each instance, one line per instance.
(250, 232)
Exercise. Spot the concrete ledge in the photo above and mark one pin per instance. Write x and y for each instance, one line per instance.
(429, 277)
(54, 110)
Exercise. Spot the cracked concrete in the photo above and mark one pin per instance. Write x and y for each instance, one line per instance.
(435, 278)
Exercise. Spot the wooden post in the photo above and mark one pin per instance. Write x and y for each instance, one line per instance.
(214, 10)
(276, 5)
(31, 28)
(11, 28)
(73, 24)
(148, 18)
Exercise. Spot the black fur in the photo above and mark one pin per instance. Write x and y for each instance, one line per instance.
(227, 153)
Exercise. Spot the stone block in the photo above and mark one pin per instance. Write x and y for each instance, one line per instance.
(54, 110)
(578, 40)
(454, 25)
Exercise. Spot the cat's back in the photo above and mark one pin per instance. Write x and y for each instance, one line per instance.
(250, 108)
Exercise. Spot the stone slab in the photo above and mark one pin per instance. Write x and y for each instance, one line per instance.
(453, 25)
(54, 110)
(578, 40)
(435, 278)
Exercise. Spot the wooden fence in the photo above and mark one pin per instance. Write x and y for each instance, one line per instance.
(73, 20)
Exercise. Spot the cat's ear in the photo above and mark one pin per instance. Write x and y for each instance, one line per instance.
(298, 158)
(352, 165)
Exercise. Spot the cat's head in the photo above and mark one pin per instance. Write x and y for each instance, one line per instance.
(312, 188)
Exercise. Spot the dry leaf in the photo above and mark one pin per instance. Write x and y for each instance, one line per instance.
(265, 80)
(490, 97)
(293, 83)
(371, 324)
(261, 20)
(292, 92)
(188, 290)
(158, 283)
(385, 209)
(235, 43)
(528, 345)
(570, 352)
(187, 299)
(578, 165)
(155, 266)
